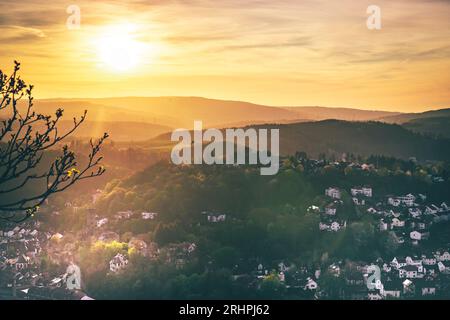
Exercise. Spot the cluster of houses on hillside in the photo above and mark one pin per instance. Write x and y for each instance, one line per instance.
(401, 277)
(214, 217)
(409, 217)
(21, 251)
(427, 275)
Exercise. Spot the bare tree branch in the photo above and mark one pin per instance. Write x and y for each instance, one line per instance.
(24, 138)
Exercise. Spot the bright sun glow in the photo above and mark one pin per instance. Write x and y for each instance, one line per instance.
(118, 49)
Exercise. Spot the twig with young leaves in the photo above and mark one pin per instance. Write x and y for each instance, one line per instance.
(25, 136)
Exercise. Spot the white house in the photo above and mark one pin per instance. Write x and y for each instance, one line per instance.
(124, 214)
(408, 286)
(415, 212)
(391, 289)
(441, 266)
(102, 222)
(358, 202)
(330, 210)
(332, 192)
(411, 272)
(396, 263)
(148, 215)
(118, 263)
(216, 218)
(428, 290)
(408, 200)
(323, 226)
(365, 191)
(383, 225)
(429, 261)
(445, 256)
(336, 226)
(415, 235)
(397, 223)
(374, 296)
(310, 284)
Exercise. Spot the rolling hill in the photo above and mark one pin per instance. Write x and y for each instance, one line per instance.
(435, 122)
(335, 137)
(348, 114)
(179, 112)
(405, 117)
(436, 126)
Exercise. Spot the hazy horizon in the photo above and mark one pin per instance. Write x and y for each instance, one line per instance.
(289, 53)
(362, 108)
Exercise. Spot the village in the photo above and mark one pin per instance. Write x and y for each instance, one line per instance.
(38, 262)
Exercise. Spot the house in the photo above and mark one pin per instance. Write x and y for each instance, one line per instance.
(411, 272)
(408, 200)
(334, 269)
(313, 208)
(365, 191)
(148, 215)
(323, 226)
(386, 267)
(330, 209)
(332, 226)
(372, 210)
(408, 287)
(383, 225)
(429, 261)
(411, 261)
(359, 202)
(121, 215)
(445, 256)
(398, 263)
(310, 284)
(332, 192)
(118, 263)
(430, 211)
(102, 222)
(391, 289)
(56, 237)
(415, 212)
(374, 296)
(429, 290)
(415, 235)
(396, 222)
(22, 262)
(367, 167)
(216, 217)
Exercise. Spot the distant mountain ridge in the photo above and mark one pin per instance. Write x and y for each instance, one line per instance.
(434, 122)
(405, 117)
(182, 111)
(348, 114)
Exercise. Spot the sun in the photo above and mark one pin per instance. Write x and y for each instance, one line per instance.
(118, 48)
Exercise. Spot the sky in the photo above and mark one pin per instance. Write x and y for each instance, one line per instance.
(282, 53)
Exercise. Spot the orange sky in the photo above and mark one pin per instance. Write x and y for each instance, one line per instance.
(284, 52)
